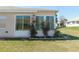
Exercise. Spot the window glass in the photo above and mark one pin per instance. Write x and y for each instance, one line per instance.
(39, 20)
(50, 20)
(22, 22)
(18, 22)
(26, 22)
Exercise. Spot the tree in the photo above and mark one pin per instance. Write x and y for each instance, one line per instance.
(33, 30)
(63, 21)
(45, 28)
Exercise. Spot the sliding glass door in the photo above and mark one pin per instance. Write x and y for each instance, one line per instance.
(22, 22)
(44, 19)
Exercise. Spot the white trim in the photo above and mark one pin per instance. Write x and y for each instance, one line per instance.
(14, 24)
(55, 21)
(43, 15)
(17, 11)
(23, 14)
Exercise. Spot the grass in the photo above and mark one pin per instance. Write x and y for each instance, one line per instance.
(38, 46)
(73, 31)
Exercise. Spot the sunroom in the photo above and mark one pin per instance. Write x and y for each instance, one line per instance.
(15, 22)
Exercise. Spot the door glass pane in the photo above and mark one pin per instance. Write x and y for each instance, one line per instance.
(26, 22)
(50, 20)
(18, 22)
(39, 20)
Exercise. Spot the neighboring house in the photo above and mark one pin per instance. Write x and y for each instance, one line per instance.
(15, 21)
(73, 22)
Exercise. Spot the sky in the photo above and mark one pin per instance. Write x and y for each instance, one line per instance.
(69, 12)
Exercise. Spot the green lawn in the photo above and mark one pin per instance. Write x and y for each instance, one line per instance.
(42, 46)
(37, 46)
(73, 31)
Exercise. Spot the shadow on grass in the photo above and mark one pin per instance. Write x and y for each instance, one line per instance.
(70, 37)
(61, 37)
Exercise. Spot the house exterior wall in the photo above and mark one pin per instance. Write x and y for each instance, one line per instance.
(10, 22)
(72, 24)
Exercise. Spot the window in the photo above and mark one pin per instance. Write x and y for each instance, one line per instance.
(50, 20)
(22, 22)
(39, 20)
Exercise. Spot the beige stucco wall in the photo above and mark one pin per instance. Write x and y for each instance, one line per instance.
(9, 25)
(10, 21)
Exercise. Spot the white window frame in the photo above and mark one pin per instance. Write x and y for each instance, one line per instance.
(22, 21)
